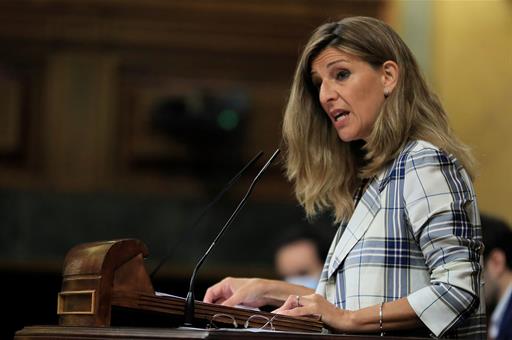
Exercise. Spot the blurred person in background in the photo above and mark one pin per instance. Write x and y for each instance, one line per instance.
(299, 256)
(497, 237)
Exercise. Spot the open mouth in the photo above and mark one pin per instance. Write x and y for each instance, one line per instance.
(340, 115)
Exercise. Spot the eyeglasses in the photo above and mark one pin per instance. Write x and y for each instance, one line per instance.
(253, 321)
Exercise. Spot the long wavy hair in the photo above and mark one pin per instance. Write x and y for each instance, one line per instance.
(325, 170)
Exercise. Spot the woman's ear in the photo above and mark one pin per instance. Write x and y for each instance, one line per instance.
(390, 73)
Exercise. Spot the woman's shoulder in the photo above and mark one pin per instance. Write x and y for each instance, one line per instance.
(418, 146)
(424, 165)
(421, 152)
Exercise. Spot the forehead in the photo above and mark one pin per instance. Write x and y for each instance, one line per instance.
(299, 248)
(332, 55)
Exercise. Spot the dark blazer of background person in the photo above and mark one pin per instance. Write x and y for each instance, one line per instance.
(497, 237)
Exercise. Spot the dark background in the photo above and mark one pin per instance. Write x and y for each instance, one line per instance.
(123, 119)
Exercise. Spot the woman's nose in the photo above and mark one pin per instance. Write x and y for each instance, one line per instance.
(327, 92)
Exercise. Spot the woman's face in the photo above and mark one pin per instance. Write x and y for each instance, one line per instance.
(351, 92)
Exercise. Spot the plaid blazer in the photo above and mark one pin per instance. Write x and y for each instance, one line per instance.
(415, 233)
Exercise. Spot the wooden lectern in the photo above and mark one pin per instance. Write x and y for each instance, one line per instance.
(103, 278)
(101, 275)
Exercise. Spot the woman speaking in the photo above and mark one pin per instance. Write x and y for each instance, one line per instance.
(365, 138)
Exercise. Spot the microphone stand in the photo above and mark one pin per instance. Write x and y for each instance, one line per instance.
(190, 299)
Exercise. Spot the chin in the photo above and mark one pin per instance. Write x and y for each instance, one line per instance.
(347, 138)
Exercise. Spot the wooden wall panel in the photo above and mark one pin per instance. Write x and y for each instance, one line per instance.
(20, 110)
(78, 125)
(10, 113)
(106, 63)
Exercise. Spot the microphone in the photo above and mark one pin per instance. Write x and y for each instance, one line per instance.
(190, 300)
(187, 232)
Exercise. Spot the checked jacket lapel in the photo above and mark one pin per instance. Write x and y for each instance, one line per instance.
(361, 219)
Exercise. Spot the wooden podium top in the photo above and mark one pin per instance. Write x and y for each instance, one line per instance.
(129, 333)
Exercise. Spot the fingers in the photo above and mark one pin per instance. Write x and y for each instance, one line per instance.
(211, 295)
(293, 301)
(236, 291)
(245, 293)
(296, 305)
(234, 300)
(219, 292)
(298, 311)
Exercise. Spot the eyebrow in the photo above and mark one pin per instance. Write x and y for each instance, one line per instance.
(341, 60)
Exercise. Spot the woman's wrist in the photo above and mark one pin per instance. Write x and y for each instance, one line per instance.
(392, 315)
(341, 320)
(354, 321)
(358, 321)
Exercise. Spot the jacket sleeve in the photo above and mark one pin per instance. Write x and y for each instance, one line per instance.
(441, 208)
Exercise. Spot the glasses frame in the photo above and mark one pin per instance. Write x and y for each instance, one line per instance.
(212, 325)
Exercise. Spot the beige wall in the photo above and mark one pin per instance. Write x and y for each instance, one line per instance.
(465, 48)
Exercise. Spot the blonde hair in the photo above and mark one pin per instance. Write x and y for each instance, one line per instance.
(325, 170)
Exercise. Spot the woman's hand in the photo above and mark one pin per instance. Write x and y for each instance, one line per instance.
(397, 314)
(253, 292)
(235, 291)
(314, 304)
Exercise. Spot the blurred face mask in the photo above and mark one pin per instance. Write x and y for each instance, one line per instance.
(304, 280)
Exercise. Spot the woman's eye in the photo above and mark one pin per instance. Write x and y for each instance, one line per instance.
(342, 75)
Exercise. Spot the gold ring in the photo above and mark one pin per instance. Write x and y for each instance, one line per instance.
(298, 300)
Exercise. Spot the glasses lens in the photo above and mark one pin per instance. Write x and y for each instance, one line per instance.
(222, 320)
(259, 321)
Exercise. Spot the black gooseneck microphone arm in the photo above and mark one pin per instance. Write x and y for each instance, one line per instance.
(203, 212)
(190, 300)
